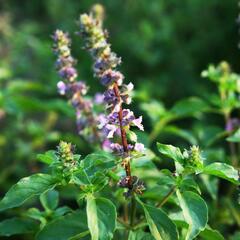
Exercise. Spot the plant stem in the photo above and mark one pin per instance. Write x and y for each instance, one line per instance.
(123, 223)
(80, 235)
(133, 211)
(125, 210)
(126, 164)
(165, 199)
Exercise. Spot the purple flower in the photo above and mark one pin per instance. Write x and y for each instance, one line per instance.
(106, 145)
(111, 130)
(68, 73)
(126, 93)
(138, 123)
(232, 124)
(75, 90)
(102, 120)
(118, 148)
(99, 98)
(119, 120)
(110, 77)
(81, 124)
(110, 97)
(62, 88)
(79, 87)
(139, 147)
(64, 61)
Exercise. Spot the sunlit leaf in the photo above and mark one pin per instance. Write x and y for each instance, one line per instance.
(170, 151)
(189, 107)
(195, 212)
(210, 234)
(101, 215)
(160, 225)
(223, 170)
(27, 188)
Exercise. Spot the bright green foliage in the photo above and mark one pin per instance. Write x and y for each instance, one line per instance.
(64, 227)
(26, 189)
(195, 212)
(140, 235)
(210, 234)
(160, 224)
(101, 214)
(49, 199)
(224, 171)
(235, 137)
(171, 152)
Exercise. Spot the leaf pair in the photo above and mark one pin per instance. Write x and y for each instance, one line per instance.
(194, 211)
(99, 222)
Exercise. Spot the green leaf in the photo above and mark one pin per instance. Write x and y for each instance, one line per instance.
(154, 109)
(62, 211)
(64, 227)
(211, 183)
(160, 225)
(235, 137)
(92, 173)
(195, 212)
(49, 157)
(27, 188)
(187, 135)
(170, 151)
(166, 178)
(222, 170)
(49, 199)
(236, 236)
(178, 219)
(36, 214)
(189, 107)
(210, 234)
(14, 226)
(140, 235)
(98, 162)
(157, 193)
(189, 184)
(101, 215)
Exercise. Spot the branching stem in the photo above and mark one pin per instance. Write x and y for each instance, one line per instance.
(165, 199)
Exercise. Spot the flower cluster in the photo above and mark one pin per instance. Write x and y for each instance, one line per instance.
(75, 90)
(68, 161)
(116, 125)
(193, 158)
(137, 185)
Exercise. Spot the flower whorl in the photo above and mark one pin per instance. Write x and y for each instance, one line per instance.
(75, 90)
(117, 123)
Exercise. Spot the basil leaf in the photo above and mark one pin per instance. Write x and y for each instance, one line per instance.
(195, 212)
(27, 188)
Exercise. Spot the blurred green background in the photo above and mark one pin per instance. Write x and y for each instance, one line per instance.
(164, 45)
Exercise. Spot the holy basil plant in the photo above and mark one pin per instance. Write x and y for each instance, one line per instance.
(121, 190)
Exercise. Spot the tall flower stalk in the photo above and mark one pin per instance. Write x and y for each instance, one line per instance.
(117, 124)
(75, 90)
